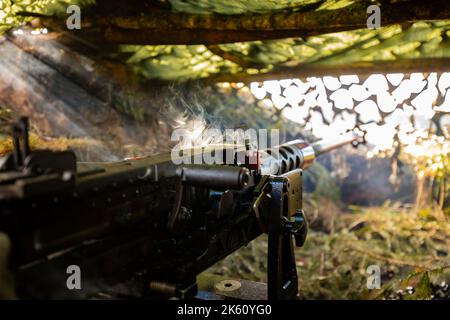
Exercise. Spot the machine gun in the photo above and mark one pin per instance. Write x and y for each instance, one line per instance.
(148, 225)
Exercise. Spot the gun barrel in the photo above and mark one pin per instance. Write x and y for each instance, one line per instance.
(299, 154)
(325, 146)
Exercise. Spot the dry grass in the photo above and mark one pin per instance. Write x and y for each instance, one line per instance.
(410, 247)
(60, 143)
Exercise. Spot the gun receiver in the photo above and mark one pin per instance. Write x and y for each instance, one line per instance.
(147, 224)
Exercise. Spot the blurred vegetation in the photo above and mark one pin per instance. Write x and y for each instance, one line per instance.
(324, 185)
(430, 158)
(5, 117)
(410, 247)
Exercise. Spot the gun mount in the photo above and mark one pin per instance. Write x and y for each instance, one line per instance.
(148, 225)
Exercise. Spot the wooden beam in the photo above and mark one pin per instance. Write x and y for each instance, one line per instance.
(165, 27)
(235, 57)
(360, 68)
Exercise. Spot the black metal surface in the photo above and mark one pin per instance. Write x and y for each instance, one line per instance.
(286, 195)
(147, 225)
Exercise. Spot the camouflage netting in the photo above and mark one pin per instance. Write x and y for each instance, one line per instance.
(421, 40)
(395, 42)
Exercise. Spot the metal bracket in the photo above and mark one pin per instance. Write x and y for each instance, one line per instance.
(285, 220)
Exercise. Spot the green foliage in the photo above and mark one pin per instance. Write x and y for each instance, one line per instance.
(9, 10)
(13, 13)
(179, 62)
(240, 6)
(430, 158)
(59, 7)
(325, 186)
